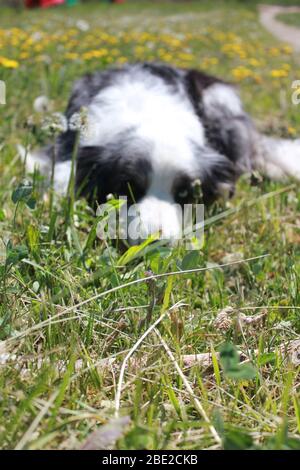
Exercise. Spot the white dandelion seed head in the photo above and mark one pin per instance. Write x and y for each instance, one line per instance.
(36, 36)
(82, 25)
(80, 122)
(42, 104)
(55, 123)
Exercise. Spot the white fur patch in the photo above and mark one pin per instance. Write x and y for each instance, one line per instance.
(159, 117)
(40, 161)
(155, 215)
(36, 160)
(62, 175)
(279, 159)
(222, 96)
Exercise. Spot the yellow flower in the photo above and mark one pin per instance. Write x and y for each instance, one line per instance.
(71, 55)
(8, 63)
(291, 130)
(208, 61)
(274, 51)
(185, 56)
(287, 49)
(241, 72)
(122, 60)
(254, 62)
(95, 54)
(280, 73)
(234, 49)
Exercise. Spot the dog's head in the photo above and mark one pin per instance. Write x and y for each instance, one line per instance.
(149, 144)
(158, 181)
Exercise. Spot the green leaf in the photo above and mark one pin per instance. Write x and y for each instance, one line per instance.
(31, 203)
(232, 367)
(237, 440)
(218, 422)
(167, 294)
(242, 372)
(191, 260)
(135, 251)
(33, 236)
(23, 192)
(229, 357)
(14, 254)
(216, 366)
(137, 439)
(266, 358)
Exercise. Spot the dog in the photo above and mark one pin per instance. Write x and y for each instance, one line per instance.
(157, 129)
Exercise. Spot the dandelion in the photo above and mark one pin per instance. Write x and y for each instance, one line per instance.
(83, 25)
(80, 122)
(71, 56)
(41, 104)
(209, 61)
(8, 63)
(280, 73)
(36, 36)
(241, 73)
(55, 124)
(274, 51)
(254, 62)
(287, 49)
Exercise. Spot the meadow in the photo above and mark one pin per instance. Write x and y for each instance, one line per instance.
(72, 306)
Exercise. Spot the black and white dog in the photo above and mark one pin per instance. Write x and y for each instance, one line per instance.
(155, 130)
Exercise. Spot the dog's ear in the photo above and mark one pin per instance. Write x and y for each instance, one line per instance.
(228, 129)
(196, 83)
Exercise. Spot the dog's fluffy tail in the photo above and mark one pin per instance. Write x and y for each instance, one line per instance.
(278, 159)
(41, 161)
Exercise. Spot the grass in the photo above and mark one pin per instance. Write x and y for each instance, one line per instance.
(68, 317)
(291, 19)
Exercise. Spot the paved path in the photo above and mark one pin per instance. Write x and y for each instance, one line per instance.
(284, 32)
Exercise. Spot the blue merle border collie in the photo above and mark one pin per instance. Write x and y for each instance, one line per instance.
(157, 129)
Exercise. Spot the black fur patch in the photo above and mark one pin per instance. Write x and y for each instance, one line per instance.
(195, 83)
(170, 75)
(218, 175)
(111, 170)
(232, 137)
(221, 171)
